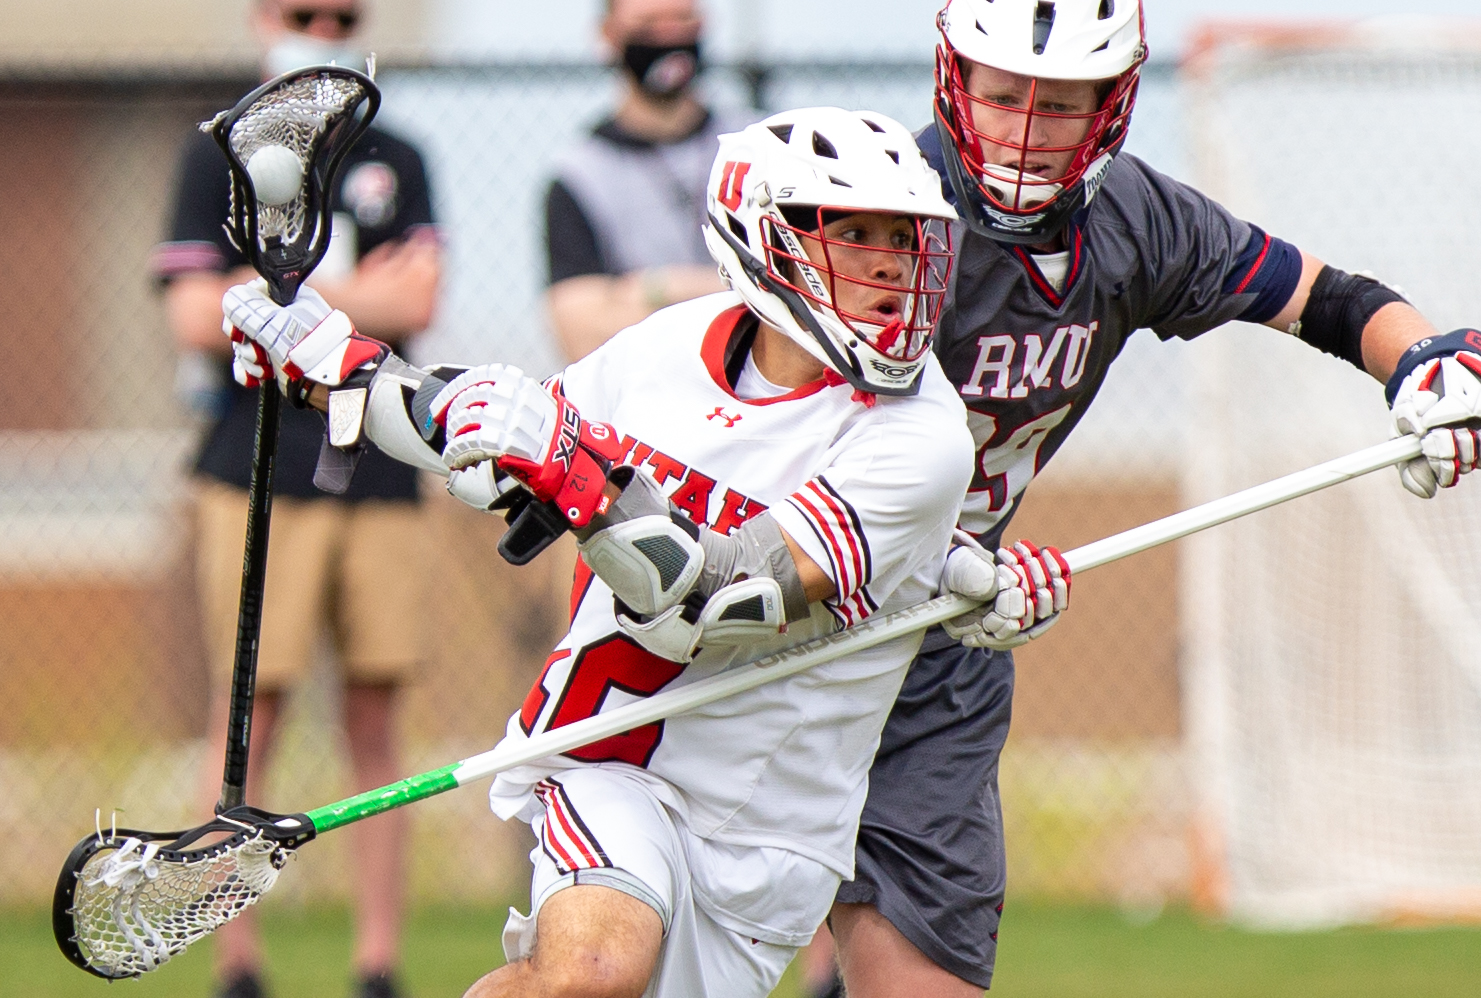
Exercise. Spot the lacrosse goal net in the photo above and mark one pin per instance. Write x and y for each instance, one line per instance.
(1333, 645)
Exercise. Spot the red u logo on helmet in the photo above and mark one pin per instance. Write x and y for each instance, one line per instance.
(730, 184)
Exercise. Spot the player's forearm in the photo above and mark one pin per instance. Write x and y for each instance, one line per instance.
(1352, 317)
(1392, 330)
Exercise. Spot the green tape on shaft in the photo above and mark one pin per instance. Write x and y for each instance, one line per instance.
(387, 798)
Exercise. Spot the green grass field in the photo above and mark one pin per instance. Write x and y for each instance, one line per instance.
(1066, 952)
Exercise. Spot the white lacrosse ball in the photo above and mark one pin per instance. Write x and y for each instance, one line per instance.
(276, 174)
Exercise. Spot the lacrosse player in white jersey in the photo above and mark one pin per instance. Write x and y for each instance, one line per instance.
(743, 472)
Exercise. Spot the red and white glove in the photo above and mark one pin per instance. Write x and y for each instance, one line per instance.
(498, 413)
(1024, 589)
(249, 362)
(1436, 396)
(305, 340)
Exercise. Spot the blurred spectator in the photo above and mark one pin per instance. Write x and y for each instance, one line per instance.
(347, 564)
(623, 216)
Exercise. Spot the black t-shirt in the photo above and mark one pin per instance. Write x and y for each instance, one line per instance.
(383, 187)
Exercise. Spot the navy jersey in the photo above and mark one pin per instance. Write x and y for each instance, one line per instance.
(1027, 360)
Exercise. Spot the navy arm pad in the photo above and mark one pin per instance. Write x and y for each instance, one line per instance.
(1338, 311)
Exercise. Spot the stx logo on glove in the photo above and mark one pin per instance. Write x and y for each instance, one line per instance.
(570, 435)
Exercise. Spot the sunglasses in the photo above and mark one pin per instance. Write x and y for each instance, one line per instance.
(303, 18)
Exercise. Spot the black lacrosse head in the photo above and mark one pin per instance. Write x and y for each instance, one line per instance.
(226, 832)
(316, 114)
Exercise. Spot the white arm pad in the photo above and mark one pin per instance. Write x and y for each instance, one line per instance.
(642, 551)
(741, 613)
(388, 421)
(678, 584)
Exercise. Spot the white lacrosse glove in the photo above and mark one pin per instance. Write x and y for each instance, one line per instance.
(498, 413)
(1024, 589)
(1436, 395)
(481, 485)
(495, 410)
(305, 340)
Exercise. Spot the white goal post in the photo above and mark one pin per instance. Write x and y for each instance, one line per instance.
(1333, 648)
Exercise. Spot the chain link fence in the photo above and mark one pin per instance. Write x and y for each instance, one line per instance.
(102, 675)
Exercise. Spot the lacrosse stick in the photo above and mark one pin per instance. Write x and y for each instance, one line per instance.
(127, 901)
(284, 142)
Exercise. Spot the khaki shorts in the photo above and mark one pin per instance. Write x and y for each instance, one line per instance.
(355, 570)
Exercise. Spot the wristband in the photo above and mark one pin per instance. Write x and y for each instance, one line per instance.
(1428, 349)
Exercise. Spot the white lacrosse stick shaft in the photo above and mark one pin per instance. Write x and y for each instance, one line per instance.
(881, 629)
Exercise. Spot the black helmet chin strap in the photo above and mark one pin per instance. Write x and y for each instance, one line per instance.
(846, 367)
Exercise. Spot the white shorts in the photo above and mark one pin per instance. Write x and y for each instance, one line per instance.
(733, 916)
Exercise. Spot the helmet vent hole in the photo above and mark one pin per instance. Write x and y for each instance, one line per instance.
(1107, 9)
(980, 27)
(1043, 24)
(823, 147)
(738, 229)
(893, 155)
(1102, 46)
(783, 132)
(840, 183)
(874, 126)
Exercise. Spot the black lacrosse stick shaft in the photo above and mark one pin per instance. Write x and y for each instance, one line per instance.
(249, 610)
(285, 268)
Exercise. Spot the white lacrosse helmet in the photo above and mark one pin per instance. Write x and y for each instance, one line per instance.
(1041, 40)
(868, 312)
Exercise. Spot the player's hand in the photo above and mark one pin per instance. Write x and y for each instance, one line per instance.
(480, 485)
(1024, 590)
(498, 413)
(277, 329)
(305, 340)
(250, 365)
(1436, 396)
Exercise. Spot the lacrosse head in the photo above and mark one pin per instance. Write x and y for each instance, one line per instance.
(285, 141)
(128, 901)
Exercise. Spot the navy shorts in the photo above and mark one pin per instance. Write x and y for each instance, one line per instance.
(930, 852)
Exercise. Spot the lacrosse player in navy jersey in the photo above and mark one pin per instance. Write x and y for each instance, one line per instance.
(1067, 247)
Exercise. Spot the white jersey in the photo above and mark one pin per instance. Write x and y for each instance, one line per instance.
(869, 493)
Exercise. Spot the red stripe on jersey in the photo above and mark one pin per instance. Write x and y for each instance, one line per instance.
(569, 828)
(712, 352)
(562, 857)
(860, 607)
(820, 524)
(1259, 262)
(848, 530)
(1041, 284)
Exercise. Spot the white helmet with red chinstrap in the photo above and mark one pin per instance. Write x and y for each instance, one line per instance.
(775, 189)
(1000, 196)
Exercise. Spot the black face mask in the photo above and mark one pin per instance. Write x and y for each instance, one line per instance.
(662, 70)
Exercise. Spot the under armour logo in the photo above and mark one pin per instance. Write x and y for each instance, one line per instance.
(720, 413)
